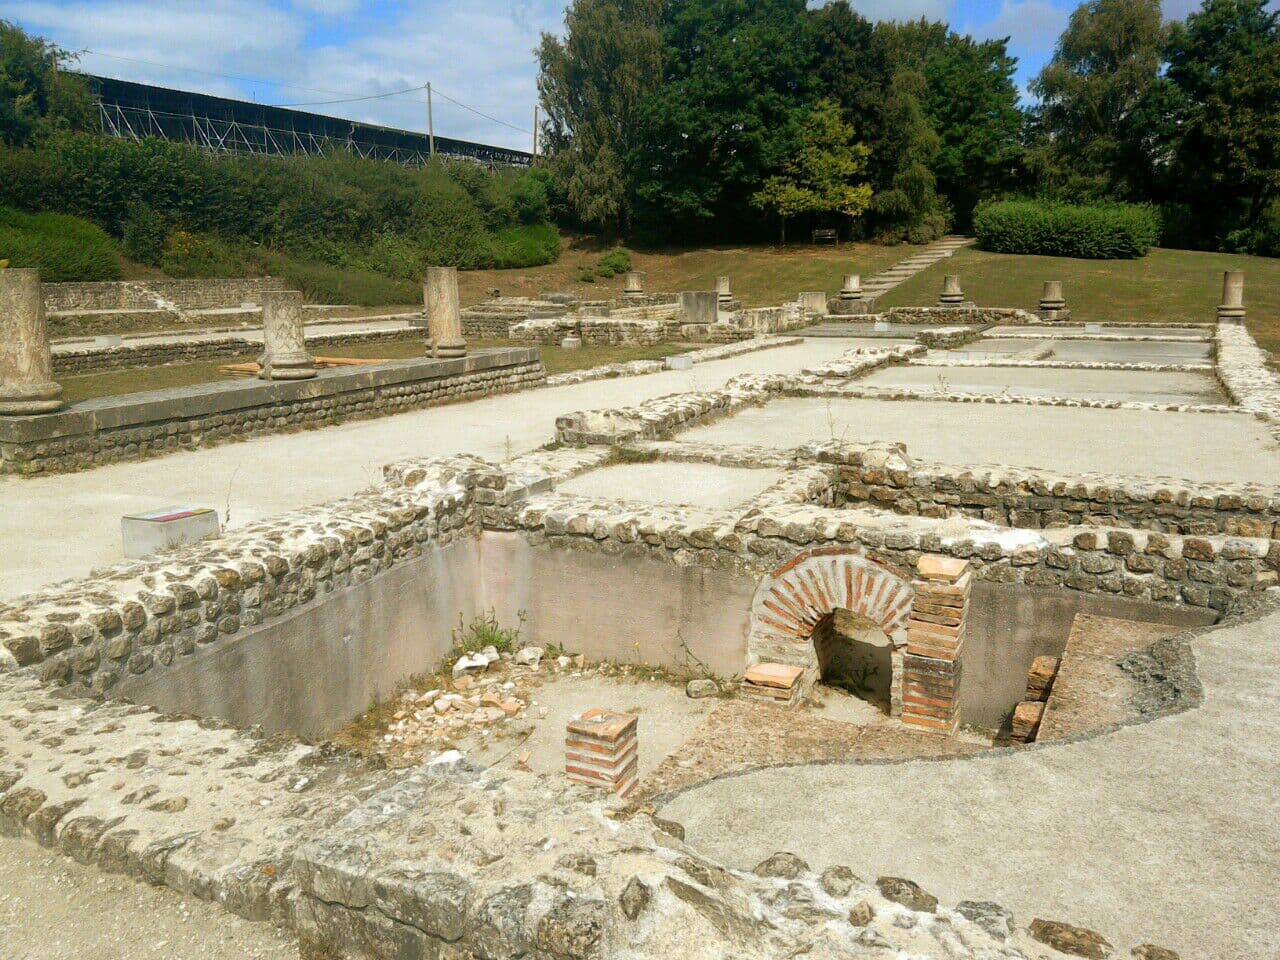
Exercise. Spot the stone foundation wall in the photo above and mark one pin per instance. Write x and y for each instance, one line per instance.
(960, 316)
(1202, 572)
(153, 354)
(147, 295)
(1034, 499)
(145, 615)
(144, 425)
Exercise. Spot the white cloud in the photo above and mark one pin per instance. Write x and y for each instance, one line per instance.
(900, 9)
(481, 54)
(1030, 24)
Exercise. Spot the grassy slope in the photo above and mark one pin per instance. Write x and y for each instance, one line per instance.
(1166, 286)
(761, 276)
(118, 382)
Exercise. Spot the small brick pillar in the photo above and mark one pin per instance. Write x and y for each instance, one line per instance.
(601, 750)
(851, 290)
(931, 667)
(723, 293)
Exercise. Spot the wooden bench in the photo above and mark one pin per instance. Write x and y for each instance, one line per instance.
(826, 235)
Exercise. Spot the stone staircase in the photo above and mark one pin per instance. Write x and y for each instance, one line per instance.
(899, 273)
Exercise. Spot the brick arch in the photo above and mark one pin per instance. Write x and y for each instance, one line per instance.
(796, 597)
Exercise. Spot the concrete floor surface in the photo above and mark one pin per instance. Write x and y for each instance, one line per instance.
(1166, 832)
(1123, 385)
(667, 716)
(1200, 447)
(688, 484)
(59, 527)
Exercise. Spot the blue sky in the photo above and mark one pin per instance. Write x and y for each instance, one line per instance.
(479, 53)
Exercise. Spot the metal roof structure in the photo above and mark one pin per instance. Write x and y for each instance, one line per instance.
(220, 124)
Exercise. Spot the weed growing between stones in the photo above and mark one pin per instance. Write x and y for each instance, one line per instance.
(484, 631)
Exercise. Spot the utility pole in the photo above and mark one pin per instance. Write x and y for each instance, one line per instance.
(431, 124)
(535, 136)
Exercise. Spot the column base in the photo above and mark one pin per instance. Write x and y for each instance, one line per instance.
(19, 400)
(287, 368)
(446, 349)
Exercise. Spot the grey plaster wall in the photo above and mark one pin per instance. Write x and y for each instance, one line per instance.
(321, 664)
(630, 607)
(1012, 624)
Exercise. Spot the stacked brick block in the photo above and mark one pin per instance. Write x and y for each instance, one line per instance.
(1028, 714)
(776, 683)
(601, 750)
(936, 626)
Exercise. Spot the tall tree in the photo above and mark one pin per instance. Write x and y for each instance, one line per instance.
(738, 77)
(592, 84)
(1096, 98)
(823, 175)
(906, 205)
(850, 65)
(36, 96)
(1225, 62)
(972, 102)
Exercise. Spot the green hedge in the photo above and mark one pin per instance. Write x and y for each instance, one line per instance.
(61, 247)
(334, 208)
(1095, 231)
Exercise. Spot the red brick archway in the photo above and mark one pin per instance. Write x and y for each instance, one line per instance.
(922, 614)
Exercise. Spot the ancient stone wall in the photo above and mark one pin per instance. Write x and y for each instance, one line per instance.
(147, 295)
(1037, 499)
(145, 615)
(143, 425)
(149, 354)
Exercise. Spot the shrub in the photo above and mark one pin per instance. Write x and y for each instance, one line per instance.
(1095, 231)
(194, 255)
(616, 261)
(526, 246)
(326, 283)
(61, 247)
(145, 233)
(587, 275)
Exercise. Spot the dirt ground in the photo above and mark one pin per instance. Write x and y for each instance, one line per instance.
(52, 908)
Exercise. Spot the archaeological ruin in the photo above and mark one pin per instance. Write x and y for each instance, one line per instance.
(899, 650)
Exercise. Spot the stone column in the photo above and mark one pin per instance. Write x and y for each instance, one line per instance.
(633, 287)
(952, 295)
(722, 291)
(26, 363)
(851, 291)
(444, 317)
(284, 353)
(1053, 305)
(1232, 308)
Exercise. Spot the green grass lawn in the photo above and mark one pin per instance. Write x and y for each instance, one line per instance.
(556, 360)
(1166, 286)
